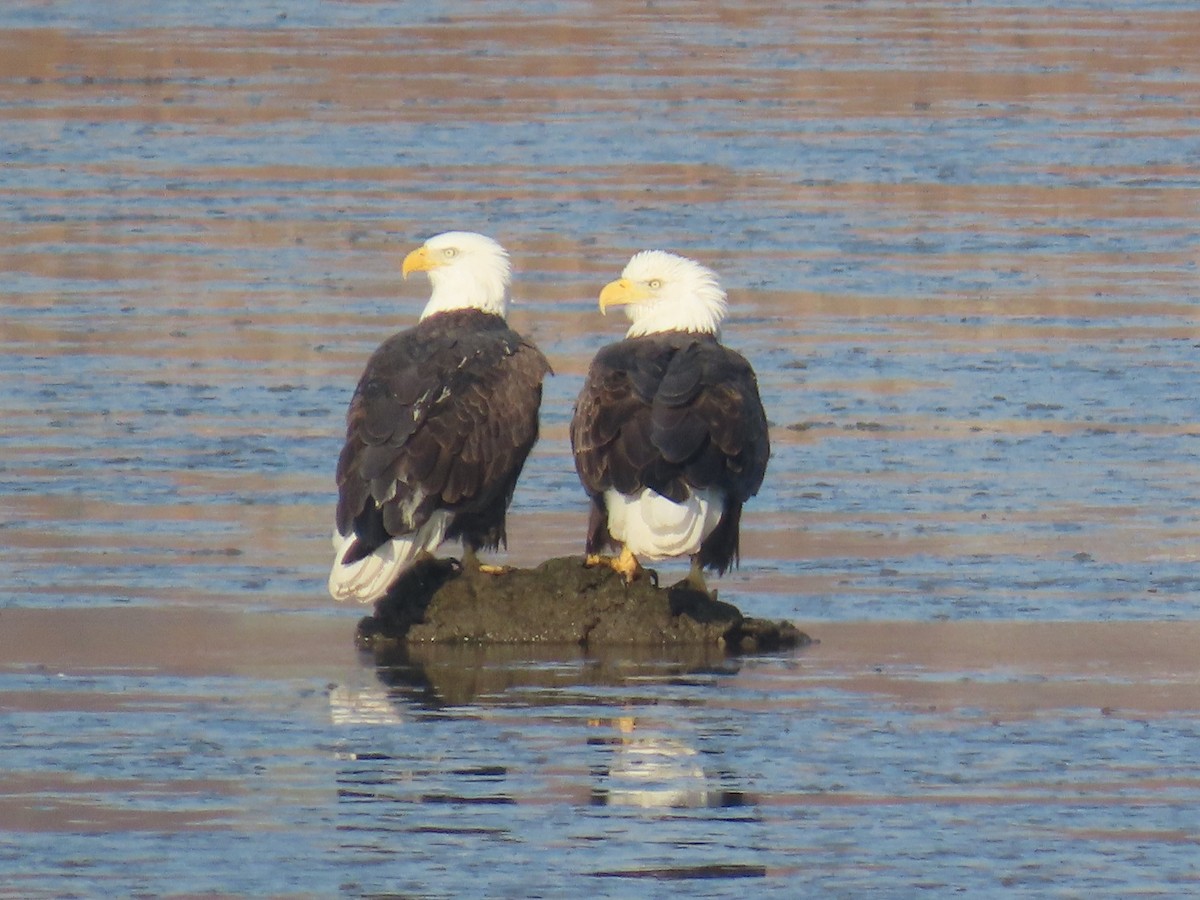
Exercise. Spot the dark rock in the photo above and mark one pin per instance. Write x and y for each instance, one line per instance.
(560, 602)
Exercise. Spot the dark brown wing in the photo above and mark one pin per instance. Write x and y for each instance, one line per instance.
(444, 417)
(671, 412)
(707, 418)
(610, 430)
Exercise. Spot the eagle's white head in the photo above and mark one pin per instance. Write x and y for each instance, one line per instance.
(664, 292)
(467, 271)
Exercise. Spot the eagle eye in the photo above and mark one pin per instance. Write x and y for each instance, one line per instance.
(654, 284)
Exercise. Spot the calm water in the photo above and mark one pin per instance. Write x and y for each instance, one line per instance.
(961, 242)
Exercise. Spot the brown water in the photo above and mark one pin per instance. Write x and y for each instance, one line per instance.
(961, 244)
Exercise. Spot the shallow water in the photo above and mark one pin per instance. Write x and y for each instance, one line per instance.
(961, 246)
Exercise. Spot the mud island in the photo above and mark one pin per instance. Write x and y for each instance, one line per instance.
(560, 602)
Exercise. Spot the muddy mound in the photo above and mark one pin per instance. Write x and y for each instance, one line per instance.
(560, 602)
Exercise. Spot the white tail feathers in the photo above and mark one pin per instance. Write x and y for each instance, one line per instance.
(654, 527)
(368, 579)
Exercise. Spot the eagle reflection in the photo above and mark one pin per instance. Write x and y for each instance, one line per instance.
(651, 761)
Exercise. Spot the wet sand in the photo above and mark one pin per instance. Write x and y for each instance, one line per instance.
(1004, 668)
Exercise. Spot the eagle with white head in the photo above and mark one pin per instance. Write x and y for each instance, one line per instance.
(669, 433)
(440, 425)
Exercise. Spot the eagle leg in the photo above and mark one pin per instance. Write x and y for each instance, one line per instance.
(471, 561)
(695, 577)
(625, 565)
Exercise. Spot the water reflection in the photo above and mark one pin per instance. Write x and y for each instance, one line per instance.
(453, 675)
(648, 767)
(620, 715)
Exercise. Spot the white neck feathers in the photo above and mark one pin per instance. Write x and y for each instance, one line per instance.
(466, 271)
(678, 294)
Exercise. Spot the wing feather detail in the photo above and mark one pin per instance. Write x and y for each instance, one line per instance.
(669, 412)
(444, 417)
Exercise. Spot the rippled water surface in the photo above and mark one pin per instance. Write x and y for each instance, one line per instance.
(961, 246)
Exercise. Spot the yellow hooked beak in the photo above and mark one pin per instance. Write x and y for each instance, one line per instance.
(621, 292)
(417, 261)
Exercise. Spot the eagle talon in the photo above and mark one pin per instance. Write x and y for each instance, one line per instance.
(625, 565)
(471, 561)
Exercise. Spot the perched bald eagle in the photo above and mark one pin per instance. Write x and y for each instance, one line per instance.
(669, 433)
(439, 426)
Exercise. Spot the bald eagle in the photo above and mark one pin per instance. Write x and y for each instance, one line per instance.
(669, 433)
(439, 426)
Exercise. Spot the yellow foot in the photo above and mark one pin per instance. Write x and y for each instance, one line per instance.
(471, 561)
(489, 569)
(625, 565)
